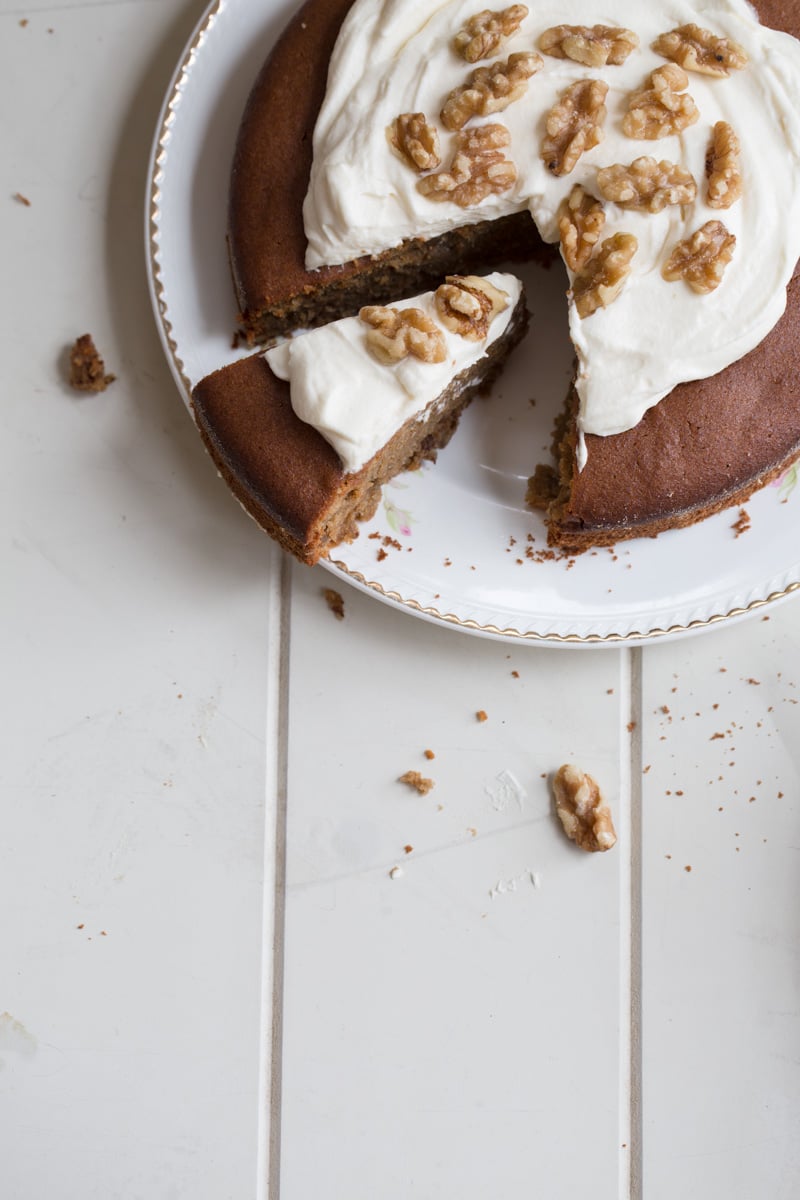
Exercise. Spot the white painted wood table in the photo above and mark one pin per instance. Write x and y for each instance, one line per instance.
(212, 983)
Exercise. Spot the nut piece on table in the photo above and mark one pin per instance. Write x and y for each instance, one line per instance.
(647, 185)
(479, 168)
(725, 183)
(396, 334)
(584, 814)
(581, 221)
(490, 89)
(467, 305)
(701, 259)
(87, 371)
(484, 32)
(662, 107)
(605, 275)
(700, 50)
(592, 45)
(416, 141)
(574, 125)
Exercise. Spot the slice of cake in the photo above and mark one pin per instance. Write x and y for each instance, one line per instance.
(662, 159)
(307, 433)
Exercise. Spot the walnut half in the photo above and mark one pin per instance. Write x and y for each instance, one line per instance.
(484, 32)
(594, 46)
(700, 50)
(582, 811)
(490, 89)
(574, 125)
(467, 305)
(647, 185)
(416, 141)
(662, 107)
(603, 277)
(580, 223)
(701, 259)
(725, 184)
(397, 333)
(479, 168)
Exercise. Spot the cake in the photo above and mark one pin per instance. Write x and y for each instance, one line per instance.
(307, 452)
(720, 416)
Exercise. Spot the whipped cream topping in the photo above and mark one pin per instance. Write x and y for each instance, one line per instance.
(396, 56)
(356, 402)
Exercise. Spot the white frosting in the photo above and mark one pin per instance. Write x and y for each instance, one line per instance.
(395, 56)
(358, 403)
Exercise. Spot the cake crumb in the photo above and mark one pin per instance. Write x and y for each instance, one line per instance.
(407, 849)
(236, 339)
(481, 715)
(335, 602)
(396, 872)
(23, 22)
(429, 754)
(86, 367)
(417, 781)
(20, 199)
(742, 523)
(381, 555)
(687, 869)
(630, 726)
(515, 674)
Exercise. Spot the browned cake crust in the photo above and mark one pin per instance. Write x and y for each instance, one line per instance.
(288, 476)
(709, 444)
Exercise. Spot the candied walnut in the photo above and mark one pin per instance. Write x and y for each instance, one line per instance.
(484, 32)
(662, 107)
(725, 184)
(416, 141)
(582, 811)
(605, 275)
(700, 50)
(574, 125)
(467, 305)
(490, 89)
(702, 258)
(479, 168)
(87, 371)
(592, 45)
(647, 185)
(581, 221)
(398, 333)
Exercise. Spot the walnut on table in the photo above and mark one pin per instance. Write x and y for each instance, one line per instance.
(594, 46)
(701, 259)
(647, 185)
(396, 334)
(723, 172)
(580, 223)
(662, 107)
(467, 305)
(490, 89)
(584, 814)
(416, 141)
(700, 50)
(479, 168)
(603, 277)
(484, 32)
(574, 125)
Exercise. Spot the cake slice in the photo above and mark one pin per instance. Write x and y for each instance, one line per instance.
(306, 434)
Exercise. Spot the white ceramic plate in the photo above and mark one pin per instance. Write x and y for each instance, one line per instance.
(453, 543)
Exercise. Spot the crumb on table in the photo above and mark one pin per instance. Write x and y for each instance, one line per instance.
(335, 602)
(417, 781)
(20, 199)
(481, 715)
(87, 372)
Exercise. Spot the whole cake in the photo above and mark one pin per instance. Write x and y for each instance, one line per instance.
(660, 154)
